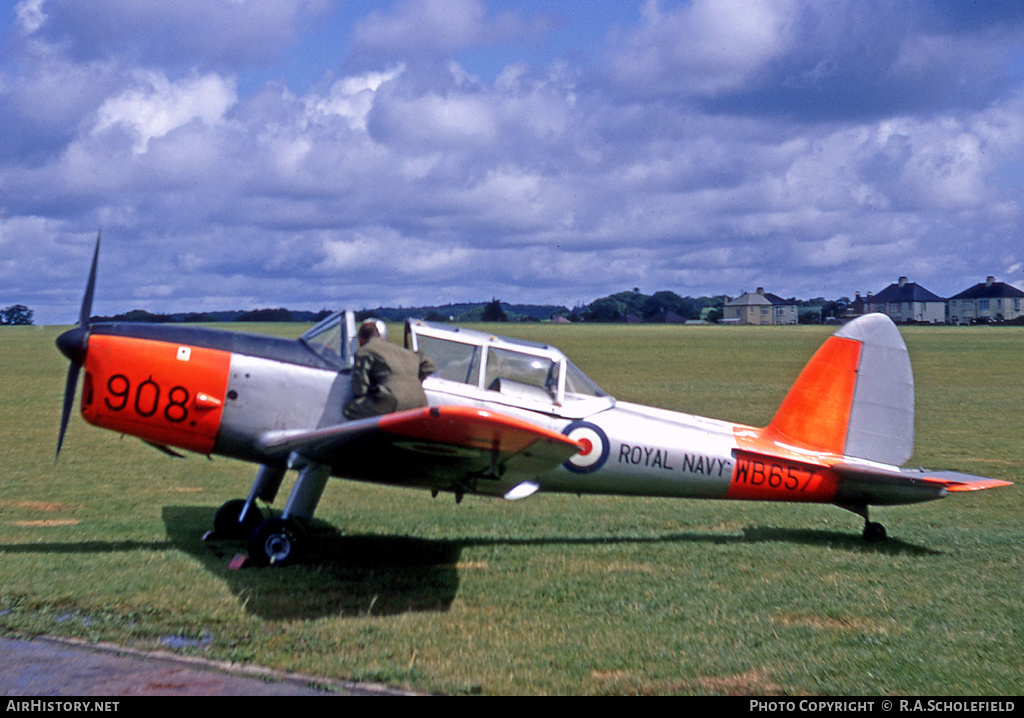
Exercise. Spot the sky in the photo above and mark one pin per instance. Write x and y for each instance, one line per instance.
(311, 154)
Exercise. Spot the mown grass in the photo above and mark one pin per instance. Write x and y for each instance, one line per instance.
(556, 594)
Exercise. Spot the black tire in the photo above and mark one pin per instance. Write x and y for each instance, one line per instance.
(276, 542)
(874, 532)
(226, 524)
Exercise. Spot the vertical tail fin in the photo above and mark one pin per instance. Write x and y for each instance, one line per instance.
(855, 397)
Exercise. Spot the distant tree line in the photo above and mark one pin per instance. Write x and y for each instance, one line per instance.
(658, 307)
(626, 306)
(15, 315)
(255, 315)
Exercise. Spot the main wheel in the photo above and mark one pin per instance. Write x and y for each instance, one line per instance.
(276, 542)
(226, 523)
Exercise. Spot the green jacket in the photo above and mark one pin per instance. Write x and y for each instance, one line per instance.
(386, 378)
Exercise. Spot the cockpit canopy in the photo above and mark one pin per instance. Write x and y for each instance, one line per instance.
(486, 367)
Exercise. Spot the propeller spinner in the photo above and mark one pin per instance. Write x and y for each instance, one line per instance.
(74, 343)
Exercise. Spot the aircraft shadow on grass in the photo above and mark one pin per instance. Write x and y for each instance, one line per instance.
(346, 575)
(374, 574)
(364, 574)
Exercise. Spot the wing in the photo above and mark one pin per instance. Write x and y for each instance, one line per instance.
(445, 447)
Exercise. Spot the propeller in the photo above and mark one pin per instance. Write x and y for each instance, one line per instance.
(74, 343)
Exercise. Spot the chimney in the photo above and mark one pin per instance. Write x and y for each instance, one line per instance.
(760, 290)
(903, 281)
(990, 281)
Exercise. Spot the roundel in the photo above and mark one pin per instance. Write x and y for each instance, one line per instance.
(595, 447)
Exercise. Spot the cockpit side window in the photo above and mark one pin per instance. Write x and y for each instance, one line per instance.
(328, 340)
(507, 371)
(455, 361)
(505, 366)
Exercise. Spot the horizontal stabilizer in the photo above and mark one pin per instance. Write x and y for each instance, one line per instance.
(954, 481)
(866, 484)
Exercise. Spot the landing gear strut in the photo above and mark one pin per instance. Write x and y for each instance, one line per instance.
(873, 531)
(278, 540)
(237, 518)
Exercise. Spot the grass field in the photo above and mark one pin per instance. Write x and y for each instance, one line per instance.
(556, 594)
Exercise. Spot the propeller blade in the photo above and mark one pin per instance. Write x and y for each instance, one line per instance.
(86, 311)
(74, 344)
(69, 401)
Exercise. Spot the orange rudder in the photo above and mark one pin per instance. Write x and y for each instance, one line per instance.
(816, 412)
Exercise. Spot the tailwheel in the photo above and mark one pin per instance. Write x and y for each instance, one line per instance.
(228, 524)
(276, 542)
(874, 531)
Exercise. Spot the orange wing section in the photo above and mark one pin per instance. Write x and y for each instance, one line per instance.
(164, 393)
(475, 428)
(816, 411)
(442, 445)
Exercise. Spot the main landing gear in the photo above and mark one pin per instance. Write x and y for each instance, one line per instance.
(277, 540)
(229, 523)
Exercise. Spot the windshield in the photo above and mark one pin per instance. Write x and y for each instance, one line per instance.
(330, 337)
(578, 383)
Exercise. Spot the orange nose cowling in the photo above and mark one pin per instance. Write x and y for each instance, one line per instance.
(161, 392)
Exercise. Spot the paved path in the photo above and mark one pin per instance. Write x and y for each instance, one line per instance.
(58, 667)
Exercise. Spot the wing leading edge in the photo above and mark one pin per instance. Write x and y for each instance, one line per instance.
(443, 446)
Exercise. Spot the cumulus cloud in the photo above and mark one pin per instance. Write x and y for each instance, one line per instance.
(703, 47)
(30, 15)
(158, 106)
(352, 97)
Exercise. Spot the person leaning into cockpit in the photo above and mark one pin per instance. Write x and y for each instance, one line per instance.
(385, 377)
